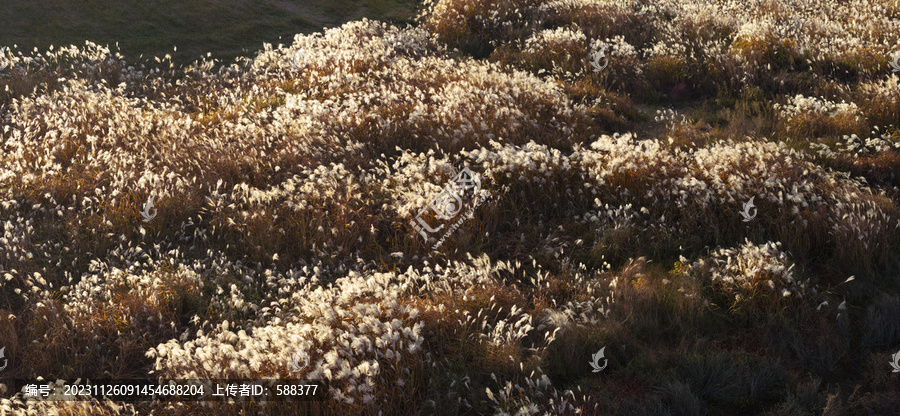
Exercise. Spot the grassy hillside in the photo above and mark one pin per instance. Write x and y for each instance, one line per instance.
(706, 192)
(227, 28)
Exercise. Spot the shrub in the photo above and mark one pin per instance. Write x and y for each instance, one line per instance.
(881, 327)
(752, 279)
(678, 399)
(809, 118)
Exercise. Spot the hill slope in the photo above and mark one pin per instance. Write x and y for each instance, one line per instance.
(227, 28)
(675, 208)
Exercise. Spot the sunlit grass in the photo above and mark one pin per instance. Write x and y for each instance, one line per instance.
(284, 192)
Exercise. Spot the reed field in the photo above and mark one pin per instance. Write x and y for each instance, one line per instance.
(702, 196)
